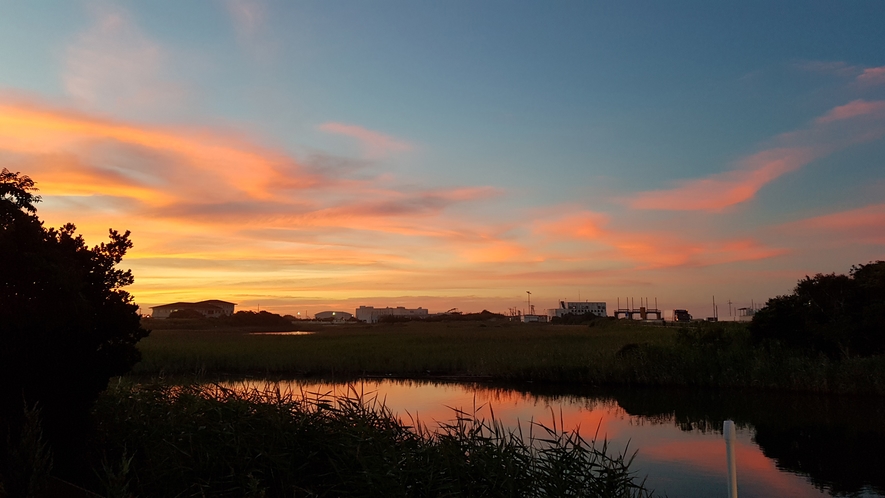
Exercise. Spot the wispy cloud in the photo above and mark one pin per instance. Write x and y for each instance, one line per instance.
(717, 192)
(864, 224)
(651, 248)
(839, 68)
(840, 127)
(114, 66)
(247, 16)
(872, 76)
(375, 144)
(854, 109)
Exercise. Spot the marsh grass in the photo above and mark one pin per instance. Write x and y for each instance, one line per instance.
(207, 440)
(608, 353)
(495, 349)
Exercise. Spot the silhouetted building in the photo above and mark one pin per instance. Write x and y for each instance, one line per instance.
(212, 308)
(333, 316)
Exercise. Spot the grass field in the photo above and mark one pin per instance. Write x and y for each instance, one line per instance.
(609, 353)
(494, 349)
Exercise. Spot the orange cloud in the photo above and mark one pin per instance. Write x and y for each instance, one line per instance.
(583, 225)
(34, 131)
(211, 212)
(376, 144)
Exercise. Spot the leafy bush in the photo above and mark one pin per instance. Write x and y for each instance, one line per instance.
(66, 324)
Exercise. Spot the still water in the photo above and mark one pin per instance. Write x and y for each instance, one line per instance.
(786, 445)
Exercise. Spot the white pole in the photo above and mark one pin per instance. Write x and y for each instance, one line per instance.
(729, 434)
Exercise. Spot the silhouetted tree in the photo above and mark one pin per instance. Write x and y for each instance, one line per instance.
(838, 315)
(66, 324)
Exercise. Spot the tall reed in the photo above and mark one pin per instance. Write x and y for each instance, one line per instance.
(207, 440)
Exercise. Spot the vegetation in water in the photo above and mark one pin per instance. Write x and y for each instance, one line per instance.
(198, 440)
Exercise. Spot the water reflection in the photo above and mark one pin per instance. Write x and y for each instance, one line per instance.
(834, 441)
(784, 445)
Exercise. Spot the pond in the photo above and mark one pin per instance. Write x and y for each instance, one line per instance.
(786, 445)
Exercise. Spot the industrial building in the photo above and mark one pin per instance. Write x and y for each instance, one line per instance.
(212, 308)
(579, 308)
(371, 314)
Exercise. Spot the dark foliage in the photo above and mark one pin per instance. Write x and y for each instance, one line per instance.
(579, 319)
(836, 315)
(66, 325)
(186, 314)
(482, 316)
(260, 319)
(241, 320)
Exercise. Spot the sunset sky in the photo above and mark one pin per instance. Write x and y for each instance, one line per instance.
(310, 156)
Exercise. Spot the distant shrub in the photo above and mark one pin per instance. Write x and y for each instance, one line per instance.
(836, 315)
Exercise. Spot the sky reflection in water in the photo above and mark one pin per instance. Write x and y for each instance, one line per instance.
(682, 454)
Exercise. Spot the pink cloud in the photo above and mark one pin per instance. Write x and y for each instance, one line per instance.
(866, 224)
(723, 190)
(651, 248)
(717, 192)
(376, 144)
(872, 76)
(853, 109)
(839, 68)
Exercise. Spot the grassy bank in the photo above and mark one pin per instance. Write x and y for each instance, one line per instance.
(609, 353)
(156, 440)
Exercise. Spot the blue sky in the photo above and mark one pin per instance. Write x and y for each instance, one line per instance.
(457, 152)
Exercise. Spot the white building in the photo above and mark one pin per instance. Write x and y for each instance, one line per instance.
(581, 308)
(333, 316)
(371, 314)
(212, 308)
